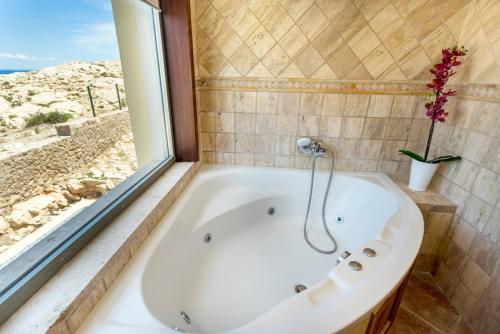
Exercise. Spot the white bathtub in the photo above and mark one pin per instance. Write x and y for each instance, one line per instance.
(243, 280)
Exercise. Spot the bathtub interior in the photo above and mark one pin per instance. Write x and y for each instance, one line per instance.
(254, 260)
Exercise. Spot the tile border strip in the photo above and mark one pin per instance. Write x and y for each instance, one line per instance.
(488, 92)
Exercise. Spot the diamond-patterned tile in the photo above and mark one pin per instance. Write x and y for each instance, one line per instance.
(423, 20)
(260, 41)
(415, 63)
(243, 59)
(401, 43)
(370, 8)
(276, 60)
(227, 41)
(358, 73)
(378, 61)
(332, 8)
(328, 41)
(324, 72)
(296, 7)
(363, 42)
(293, 41)
(278, 22)
(211, 23)
(291, 71)
(243, 22)
(386, 22)
(259, 71)
(201, 6)
(313, 22)
(308, 61)
(349, 21)
(342, 61)
(436, 41)
(386, 39)
(211, 58)
(465, 25)
(226, 7)
(261, 9)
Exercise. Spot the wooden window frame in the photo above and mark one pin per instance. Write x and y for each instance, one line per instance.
(178, 48)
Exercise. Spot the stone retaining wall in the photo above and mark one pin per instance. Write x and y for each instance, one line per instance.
(26, 174)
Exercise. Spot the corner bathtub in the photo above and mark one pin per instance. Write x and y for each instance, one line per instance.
(243, 280)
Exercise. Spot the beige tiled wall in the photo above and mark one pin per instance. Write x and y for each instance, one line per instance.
(345, 39)
(469, 259)
(261, 128)
(325, 51)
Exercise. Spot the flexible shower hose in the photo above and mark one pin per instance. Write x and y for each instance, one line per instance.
(327, 230)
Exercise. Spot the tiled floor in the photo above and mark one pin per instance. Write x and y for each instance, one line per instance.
(425, 309)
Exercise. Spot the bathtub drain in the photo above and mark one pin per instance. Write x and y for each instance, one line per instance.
(299, 288)
(271, 211)
(207, 238)
(185, 317)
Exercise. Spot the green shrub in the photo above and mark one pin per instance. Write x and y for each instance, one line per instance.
(52, 117)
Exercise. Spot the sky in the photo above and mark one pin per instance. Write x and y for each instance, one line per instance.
(40, 33)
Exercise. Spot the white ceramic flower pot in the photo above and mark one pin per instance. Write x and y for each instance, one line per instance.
(421, 174)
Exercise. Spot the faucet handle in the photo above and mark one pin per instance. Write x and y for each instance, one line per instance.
(303, 142)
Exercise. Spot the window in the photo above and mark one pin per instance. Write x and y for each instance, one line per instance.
(79, 139)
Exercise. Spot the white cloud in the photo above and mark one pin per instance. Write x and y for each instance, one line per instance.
(98, 37)
(20, 56)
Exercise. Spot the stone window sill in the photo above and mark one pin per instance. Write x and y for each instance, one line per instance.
(62, 304)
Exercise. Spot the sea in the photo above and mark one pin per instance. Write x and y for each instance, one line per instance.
(13, 71)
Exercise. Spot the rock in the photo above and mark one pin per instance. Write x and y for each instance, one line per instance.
(28, 109)
(19, 218)
(8, 239)
(24, 231)
(87, 187)
(75, 186)
(70, 197)
(101, 188)
(35, 205)
(91, 182)
(4, 105)
(68, 106)
(110, 184)
(4, 226)
(45, 99)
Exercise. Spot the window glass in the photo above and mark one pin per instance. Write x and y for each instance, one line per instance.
(83, 117)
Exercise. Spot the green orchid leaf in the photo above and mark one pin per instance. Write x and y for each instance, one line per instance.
(445, 158)
(412, 155)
